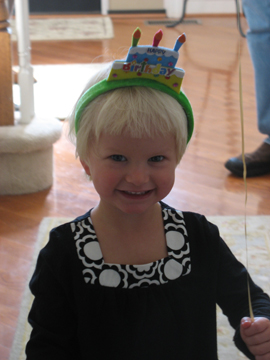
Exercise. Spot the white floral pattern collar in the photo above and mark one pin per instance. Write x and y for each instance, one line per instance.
(97, 272)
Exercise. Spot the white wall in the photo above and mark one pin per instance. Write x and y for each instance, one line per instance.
(173, 7)
(202, 6)
(136, 5)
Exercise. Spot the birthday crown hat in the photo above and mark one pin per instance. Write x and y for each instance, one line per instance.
(150, 62)
(148, 66)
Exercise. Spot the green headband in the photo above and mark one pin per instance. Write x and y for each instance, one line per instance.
(157, 73)
(105, 86)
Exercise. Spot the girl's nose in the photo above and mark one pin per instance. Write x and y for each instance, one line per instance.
(137, 175)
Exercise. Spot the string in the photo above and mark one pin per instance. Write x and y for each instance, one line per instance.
(245, 179)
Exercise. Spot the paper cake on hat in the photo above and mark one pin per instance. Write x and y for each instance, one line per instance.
(150, 62)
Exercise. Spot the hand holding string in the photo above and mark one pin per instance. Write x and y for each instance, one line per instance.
(256, 334)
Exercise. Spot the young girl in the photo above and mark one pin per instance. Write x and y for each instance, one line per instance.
(134, 278)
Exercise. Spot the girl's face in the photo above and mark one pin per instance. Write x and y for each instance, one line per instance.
(132, 175)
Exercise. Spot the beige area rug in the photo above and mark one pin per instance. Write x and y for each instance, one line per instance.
(231, 229)
(80, 28)
(58, 87)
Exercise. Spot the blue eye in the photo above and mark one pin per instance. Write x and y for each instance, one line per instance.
(118, 158)
(157, 158)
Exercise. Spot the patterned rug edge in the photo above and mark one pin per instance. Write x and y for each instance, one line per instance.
(86, 28)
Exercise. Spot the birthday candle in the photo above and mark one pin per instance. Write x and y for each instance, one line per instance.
(179, 42)
(136, 37)
(157, 37)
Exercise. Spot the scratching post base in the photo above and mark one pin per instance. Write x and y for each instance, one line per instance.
(26, 156)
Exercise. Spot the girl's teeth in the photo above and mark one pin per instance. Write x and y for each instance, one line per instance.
(136, 193)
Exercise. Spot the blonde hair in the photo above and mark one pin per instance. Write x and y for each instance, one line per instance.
(136, 111)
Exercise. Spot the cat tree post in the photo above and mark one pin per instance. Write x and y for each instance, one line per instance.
(26, 145)
(25, 76)
(6, 97)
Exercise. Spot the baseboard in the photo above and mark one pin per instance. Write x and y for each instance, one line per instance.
(170, 23)
(64, 13)
(145, 11)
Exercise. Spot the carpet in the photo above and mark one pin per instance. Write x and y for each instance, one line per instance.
(78, 28)
(58, 87)
(231, 229)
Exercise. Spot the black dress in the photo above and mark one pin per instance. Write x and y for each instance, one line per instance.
(87, 309)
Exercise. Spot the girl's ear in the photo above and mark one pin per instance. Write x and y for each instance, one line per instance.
(86, 167)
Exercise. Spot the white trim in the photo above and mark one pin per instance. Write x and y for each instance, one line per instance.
(105, 7)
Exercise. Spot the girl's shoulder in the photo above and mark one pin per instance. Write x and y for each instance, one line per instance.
(188, 216)
(68, 227)
(61, 237)
(197, 225)
(60, 253)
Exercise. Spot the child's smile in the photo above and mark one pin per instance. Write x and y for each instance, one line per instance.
(130, 174)
(136, 195)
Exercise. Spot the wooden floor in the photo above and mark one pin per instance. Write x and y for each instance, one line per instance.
(210, 59)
